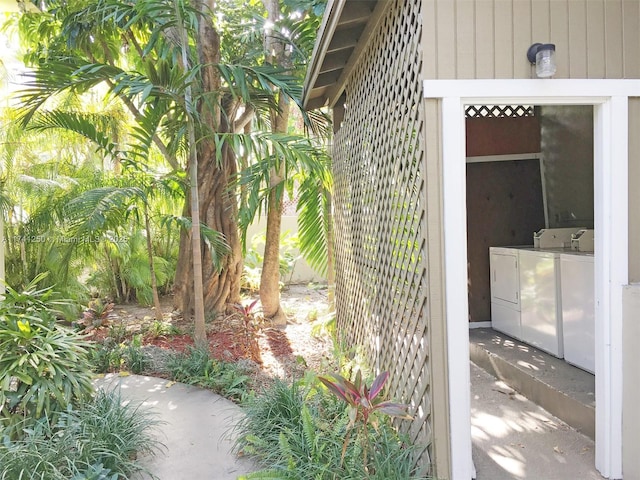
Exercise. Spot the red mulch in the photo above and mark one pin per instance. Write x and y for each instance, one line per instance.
(225, 346)
(278, 343)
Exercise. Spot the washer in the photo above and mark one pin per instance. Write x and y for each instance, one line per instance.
(540, 299)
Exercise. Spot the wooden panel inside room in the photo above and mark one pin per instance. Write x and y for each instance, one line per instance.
(504, 198)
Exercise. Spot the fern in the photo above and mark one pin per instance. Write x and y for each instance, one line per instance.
(309, 429)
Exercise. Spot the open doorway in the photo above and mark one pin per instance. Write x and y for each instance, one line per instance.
(529, 174)
(610, 101)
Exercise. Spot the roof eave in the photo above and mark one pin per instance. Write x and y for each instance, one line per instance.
(346, 30)
(325, 35)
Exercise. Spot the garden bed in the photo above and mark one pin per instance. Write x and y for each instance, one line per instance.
(262, 351)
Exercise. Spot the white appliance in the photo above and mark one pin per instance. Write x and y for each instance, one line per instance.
(505, 290)
(578, 309)
(554, 237)
(583, 241)
(540, 299)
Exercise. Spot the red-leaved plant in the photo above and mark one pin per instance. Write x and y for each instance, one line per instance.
(362, 403)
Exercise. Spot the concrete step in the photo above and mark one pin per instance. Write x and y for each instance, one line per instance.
(560, 388)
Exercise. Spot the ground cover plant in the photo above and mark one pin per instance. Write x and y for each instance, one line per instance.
(196, 367)
(100, 439)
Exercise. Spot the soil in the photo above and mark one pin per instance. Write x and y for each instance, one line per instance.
(265, 351)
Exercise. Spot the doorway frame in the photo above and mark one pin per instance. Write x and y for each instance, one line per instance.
(611, 123)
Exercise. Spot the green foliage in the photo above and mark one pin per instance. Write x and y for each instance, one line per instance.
(159, 328)
(43, 365)
(252, 266)
(99, 440)
(117, 332)
(106, 356)
(137, 127)
(298, 432)
(325, 326)
(196, 367)
(314, 217)
(122, 268)
(44, 303)
(136, 361)
(110, 355)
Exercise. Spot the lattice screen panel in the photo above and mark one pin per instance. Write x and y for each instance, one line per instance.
(498, 111)
(380, 214)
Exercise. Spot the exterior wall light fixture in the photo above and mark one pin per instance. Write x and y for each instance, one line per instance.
(543, 56)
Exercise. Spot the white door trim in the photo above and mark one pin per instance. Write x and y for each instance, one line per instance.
(610, 100)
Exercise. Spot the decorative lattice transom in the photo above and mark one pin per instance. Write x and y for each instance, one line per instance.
(379, 208)
(493, 111)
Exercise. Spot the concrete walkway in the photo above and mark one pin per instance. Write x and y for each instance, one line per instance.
(512, 437)
(196, 433)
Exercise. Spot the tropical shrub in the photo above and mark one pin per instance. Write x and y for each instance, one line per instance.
(122, 268)
(110, 355)
(43, 365)
(253, 259)
(298, 431)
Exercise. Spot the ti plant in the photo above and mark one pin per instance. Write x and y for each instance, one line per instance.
(246, 310)
(362, 403)
(96, 314)
(250, 329)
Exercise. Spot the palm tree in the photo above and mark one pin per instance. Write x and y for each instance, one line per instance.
(289, 35)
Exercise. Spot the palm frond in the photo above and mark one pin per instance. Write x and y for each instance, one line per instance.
(214, 240)
(100, 209)
(81, 123)
(244, 81)
(313, 216)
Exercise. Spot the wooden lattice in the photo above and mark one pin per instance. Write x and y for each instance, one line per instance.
(493, 111)
(379, 215)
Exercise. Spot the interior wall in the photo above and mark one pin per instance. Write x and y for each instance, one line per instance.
(504, 198)
(504, 207)
(502, 135)
(566, 145)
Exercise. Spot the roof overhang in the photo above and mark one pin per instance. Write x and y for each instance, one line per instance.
(346, 28)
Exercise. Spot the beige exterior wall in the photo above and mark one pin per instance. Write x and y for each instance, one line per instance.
(631, 387)
(634, 194)
(487, 39)
(469, 39)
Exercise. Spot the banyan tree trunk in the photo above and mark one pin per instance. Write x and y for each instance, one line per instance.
(218, 203)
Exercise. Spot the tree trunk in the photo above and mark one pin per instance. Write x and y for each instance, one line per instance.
(217, 202)
(270, 276)
(152, 270)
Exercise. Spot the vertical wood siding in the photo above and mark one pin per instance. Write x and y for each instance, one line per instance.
(480, 39)
(489, 38)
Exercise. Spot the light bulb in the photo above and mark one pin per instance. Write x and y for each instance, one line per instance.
(546, 60)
